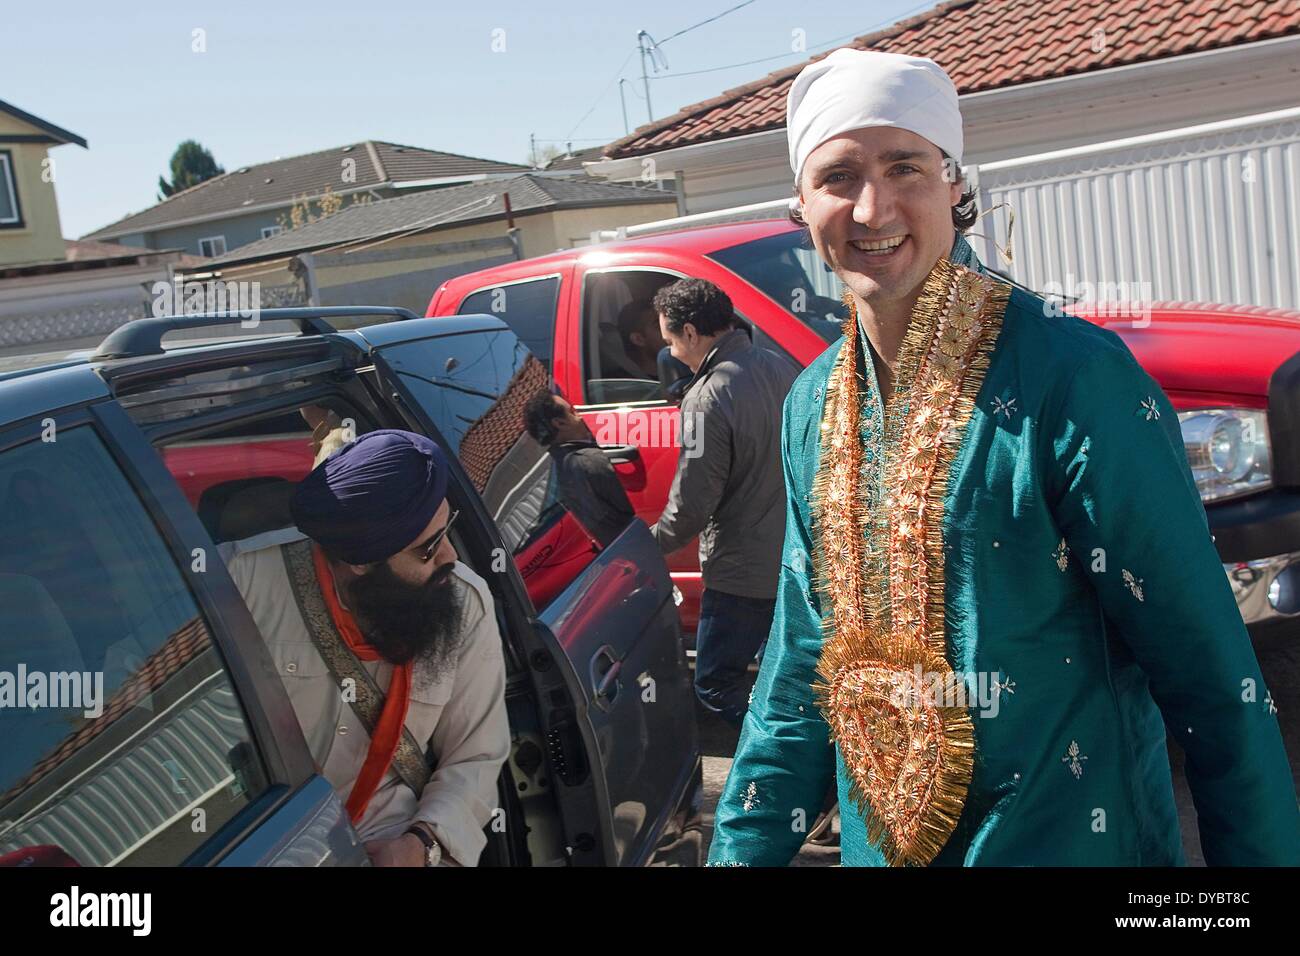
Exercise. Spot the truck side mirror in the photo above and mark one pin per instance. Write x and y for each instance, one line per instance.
(673, 375)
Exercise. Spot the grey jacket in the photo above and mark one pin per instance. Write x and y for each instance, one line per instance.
(729, 488)
(590, 490)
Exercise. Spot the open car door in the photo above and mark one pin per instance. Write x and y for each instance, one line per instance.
(622, 722)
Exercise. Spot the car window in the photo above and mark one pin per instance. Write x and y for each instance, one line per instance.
(125, 742)
(239, 479)
(620, 336)
(527, 307)
(474, 386)
(787, 269)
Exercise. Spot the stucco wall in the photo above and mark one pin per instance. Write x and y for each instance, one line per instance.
(40, 237)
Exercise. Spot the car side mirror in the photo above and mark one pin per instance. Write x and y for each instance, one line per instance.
(673, 375)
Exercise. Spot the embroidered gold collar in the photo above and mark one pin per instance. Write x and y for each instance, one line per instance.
(878, 515)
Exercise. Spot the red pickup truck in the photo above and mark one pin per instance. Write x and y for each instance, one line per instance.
(1233, 374)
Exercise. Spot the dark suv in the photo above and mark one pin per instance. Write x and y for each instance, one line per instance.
(122, 473)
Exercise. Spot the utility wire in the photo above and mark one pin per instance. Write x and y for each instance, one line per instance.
(816, 46)
(618, 75)
(705, 22)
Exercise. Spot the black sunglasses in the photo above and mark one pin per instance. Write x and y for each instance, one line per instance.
(427, 554)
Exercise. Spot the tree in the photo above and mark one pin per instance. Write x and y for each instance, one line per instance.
(327, 204)
(538, 157)
(191, 164)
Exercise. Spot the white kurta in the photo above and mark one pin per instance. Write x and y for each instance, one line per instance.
(460, 717)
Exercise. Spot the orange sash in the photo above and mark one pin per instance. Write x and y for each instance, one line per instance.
(388, 731)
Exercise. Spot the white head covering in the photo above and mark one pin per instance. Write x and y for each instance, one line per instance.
(854, 89)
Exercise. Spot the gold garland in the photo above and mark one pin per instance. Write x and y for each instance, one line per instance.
(879, 562)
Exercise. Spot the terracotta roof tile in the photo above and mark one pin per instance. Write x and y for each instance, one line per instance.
(984, 45)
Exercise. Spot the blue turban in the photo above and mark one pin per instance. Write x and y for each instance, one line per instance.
(373, 497)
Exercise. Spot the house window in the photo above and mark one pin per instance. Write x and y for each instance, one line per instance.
(212, 246)
(269, 231)
(10, 215)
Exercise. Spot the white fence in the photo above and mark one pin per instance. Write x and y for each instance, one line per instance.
(1206, 213)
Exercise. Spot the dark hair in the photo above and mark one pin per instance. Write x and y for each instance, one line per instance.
(540, 415)
(964, 213)
(632, 317)
(698, 302)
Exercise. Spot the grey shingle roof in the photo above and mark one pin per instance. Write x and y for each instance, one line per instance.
(435, 208)
(576, 159)
(282, 180)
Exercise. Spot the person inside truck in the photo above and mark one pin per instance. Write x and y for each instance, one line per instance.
(638, 324)
(368, 594)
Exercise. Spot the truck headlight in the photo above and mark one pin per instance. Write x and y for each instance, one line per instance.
(1228, 451)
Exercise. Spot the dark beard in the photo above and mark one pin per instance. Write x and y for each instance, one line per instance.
(403, 621)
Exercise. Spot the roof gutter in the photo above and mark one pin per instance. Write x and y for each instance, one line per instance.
(1146, 139)
(458, 180)
(101, 234)
(758, 210)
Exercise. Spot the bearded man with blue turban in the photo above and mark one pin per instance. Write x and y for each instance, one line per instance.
(388, 647)
(998, 587)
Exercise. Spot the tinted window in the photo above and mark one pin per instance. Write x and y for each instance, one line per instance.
(138, 748)
(527, 307)
(787, 269)
(620, 335)
(474, 387)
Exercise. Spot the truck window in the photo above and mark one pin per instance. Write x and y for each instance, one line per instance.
(787, 269)
(620, 335)
(129, 744)
(528, 307)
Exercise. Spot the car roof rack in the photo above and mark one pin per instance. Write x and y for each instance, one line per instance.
(141, 337)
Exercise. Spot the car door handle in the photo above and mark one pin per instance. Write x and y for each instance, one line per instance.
(619, 454)
(605, 667)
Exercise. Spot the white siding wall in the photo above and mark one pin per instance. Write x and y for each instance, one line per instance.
(1208, 213)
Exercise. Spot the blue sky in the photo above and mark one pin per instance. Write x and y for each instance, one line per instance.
(279, 79)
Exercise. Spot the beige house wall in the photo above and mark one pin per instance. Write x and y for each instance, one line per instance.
(40, 237)
(573, 227)
(469, 245)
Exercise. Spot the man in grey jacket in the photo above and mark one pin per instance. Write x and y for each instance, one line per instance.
(587, 485)
(728, 489)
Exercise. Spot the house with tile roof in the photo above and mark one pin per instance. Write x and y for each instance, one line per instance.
(1130, 137)
(398, 251)
(254, 202)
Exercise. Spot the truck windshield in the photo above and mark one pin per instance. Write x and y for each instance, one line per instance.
(787, 269)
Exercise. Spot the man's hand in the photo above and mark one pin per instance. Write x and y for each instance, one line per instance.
(406, 850)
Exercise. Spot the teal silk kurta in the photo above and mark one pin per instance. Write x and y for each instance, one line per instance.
(1078, 571)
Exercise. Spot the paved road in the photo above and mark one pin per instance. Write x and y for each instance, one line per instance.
(1279, 660)
(718, 743)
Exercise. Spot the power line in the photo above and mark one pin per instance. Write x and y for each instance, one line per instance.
(816, 46)
(705, 22)
(618, 75)
(731, 66)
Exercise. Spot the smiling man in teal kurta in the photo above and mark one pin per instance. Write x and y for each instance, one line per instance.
(998, 587)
